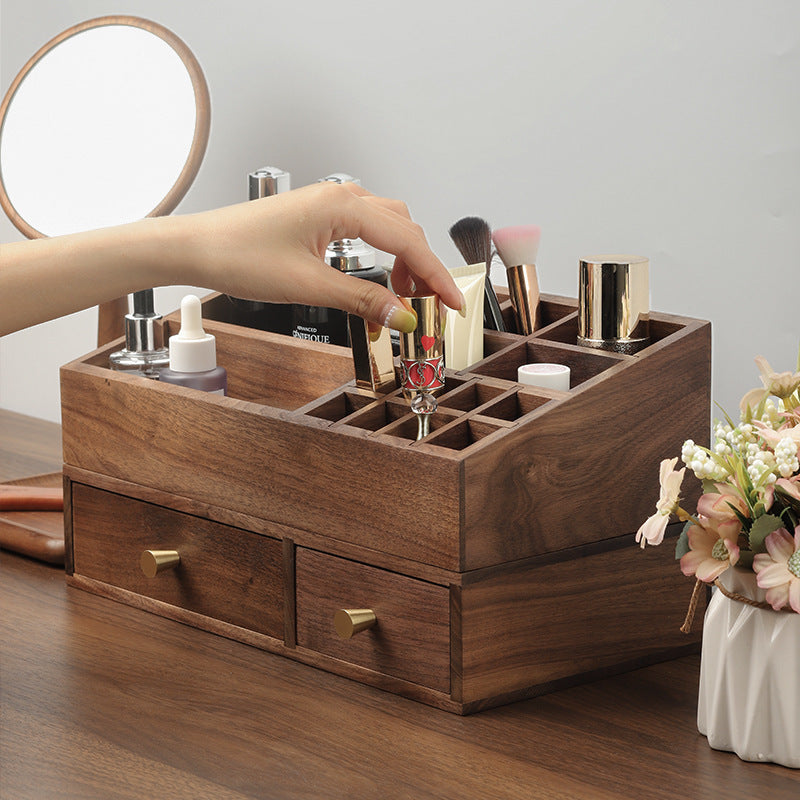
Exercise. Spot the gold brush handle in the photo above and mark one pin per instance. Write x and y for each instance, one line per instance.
(350, 621)
(154, 561)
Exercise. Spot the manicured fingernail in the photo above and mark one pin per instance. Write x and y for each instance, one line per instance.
(401, 319)
(375, 334)
(462, 309)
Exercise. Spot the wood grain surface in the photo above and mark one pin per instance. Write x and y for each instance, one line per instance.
(101, 701)
(411, 639)
(224, 573)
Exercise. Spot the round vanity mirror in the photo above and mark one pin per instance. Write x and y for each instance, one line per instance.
(107, 123)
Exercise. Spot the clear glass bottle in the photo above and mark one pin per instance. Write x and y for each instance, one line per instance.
(144, 352)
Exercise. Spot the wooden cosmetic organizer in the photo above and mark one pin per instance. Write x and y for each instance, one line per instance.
(497, 554)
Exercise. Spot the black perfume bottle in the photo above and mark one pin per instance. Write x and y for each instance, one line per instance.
(354, 258)
(275, 317)
(319, 324)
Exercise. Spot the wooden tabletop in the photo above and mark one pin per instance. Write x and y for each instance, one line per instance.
(100, 700)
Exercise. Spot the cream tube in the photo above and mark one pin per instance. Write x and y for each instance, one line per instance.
(463, 337)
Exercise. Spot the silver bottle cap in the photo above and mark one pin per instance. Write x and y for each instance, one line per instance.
(348, 255)
(268, 181)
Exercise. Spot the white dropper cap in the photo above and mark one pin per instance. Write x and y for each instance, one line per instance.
(192, 349)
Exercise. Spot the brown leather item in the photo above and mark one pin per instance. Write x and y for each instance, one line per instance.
(31, 518)
(31, 498)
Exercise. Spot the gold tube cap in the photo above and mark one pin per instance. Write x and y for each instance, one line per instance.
(614, 302)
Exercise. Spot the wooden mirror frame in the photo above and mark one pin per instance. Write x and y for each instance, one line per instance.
(112, 312)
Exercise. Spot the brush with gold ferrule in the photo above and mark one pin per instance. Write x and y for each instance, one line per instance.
(518, 247)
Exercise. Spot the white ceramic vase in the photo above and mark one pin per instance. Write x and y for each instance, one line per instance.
(749, 699)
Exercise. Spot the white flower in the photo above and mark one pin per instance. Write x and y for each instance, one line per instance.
(652, 531)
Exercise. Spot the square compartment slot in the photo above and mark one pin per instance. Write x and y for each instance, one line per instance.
(470, 395)
(406, 427)
(514, 405)
(584, 363)
(378, 415)
(462, 434)
(566, 331)
(552, 309)
(340, 406)
(494, 341)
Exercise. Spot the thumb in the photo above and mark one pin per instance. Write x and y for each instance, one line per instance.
(372, 301)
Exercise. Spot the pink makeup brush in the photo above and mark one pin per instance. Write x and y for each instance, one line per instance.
(518, 247)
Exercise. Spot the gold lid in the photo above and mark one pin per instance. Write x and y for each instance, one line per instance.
(614, 302)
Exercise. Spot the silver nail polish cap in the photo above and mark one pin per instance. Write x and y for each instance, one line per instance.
(268, 181)
(348, 255)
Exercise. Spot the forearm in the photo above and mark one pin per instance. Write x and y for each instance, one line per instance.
(48, 278)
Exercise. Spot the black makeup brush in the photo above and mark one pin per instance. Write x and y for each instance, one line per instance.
(473, 238)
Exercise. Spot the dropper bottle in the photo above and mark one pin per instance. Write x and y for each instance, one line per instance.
(193, 353)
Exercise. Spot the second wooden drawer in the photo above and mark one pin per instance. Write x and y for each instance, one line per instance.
(411, 638)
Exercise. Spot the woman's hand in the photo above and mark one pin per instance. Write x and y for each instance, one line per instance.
(274, 249)
(271, 249)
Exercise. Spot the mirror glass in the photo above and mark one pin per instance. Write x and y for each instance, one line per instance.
(106, 124)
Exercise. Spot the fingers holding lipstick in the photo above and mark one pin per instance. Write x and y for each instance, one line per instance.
(387, 225)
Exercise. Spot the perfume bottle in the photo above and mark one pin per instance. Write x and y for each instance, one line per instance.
(351, 256)
(275, 317)
(144, 352)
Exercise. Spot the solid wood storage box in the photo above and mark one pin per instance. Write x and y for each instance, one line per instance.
(497, 554)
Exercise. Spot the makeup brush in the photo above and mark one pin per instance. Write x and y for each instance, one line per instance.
(518, 248)
(473, 238)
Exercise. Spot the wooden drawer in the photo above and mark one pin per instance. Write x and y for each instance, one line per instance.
(225, 573)
(411, 638)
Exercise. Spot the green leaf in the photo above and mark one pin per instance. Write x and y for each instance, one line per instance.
(741, 517)
(761, 528)
(682, 545)
(709, 487)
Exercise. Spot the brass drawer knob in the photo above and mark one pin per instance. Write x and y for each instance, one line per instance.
(349, 621)
(154, 561)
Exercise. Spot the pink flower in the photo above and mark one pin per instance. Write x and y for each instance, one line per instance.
(778, 569)
(781, 384)
(790, 485)
(652, 530)
(773, 437)
(709, 554)
(719, 506)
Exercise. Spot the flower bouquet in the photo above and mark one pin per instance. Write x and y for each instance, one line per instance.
(749, 511)
(745, 539)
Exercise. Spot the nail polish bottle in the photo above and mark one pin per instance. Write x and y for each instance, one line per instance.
(144, 352)
(275, 317)
(351, 256)
(193, 353)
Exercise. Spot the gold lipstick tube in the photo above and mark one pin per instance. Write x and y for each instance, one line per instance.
(422, 350)
(523, 288)
(614, 303)
(373, 360)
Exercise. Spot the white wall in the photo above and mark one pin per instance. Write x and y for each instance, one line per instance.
(668, 128)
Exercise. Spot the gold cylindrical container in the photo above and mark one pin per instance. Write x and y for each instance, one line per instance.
(614, 302)
(422, 350)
